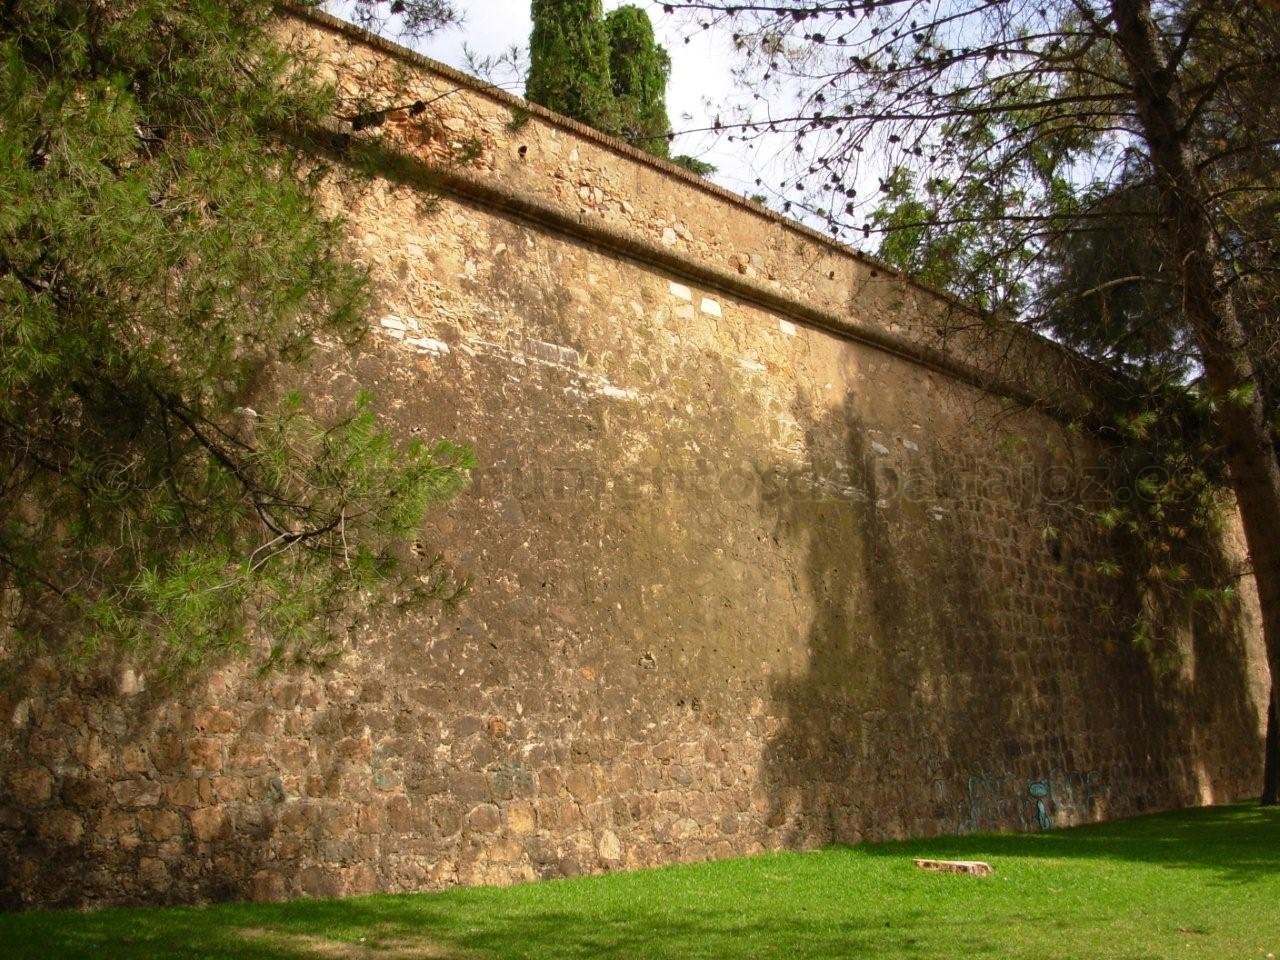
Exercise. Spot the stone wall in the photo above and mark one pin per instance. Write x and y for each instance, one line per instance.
(766, 551)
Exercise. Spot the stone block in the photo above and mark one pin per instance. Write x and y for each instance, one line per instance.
(469, 785)
(213, 720)
(520, 818)
(191, 792)
(581, 782)
(136, 793)
(338, 820)
(371, 818)
(204, 754)
(484, 818)
(321, 881)
(399, 813)
(160, 825)
(446, 817)
(153, 874)
(30, 786)
(268, 887)
(684, 829)
(209, 824)
(133, 760)
(293, 753)
(60, 828)
(609, 847)
(496, 727)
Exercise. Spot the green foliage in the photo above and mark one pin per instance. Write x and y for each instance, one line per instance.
(950, 233)
(1106, 293)
(639, 68)
(963, 228)
(694, 165)
(161, 258)
(519, 118)
(1165, 515)
(569, 61)
(416, 18)
(609, 72)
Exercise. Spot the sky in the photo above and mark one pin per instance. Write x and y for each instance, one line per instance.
(701, 75)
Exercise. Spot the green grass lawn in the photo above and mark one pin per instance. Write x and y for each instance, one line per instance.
(1199, 883)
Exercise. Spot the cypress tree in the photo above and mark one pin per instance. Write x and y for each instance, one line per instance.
(569, 61)
(639, 67)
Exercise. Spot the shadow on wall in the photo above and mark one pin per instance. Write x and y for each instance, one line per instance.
(959, 677)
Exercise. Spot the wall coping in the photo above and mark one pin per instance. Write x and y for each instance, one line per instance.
(620, 147)
(891, 343)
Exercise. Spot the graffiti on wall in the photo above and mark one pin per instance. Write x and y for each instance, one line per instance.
(1002, 801)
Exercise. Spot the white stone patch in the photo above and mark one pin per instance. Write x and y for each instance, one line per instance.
(427, 345)
(552, 353)
(879, 448)
(787, 327)
(710, 307)
(910, 444)
(680, 291)
(130, 682)
(669, 237)
(754, 366)
(617, 393)
(610, 848)
(394, 325)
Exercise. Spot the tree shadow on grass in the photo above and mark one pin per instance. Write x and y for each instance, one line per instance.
(1238, 844)
(424, 926)
(850, 902)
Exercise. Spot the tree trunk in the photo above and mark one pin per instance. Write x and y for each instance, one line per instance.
(1271, 768)
(1208, 303)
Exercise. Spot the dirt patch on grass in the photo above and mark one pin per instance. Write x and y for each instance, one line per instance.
(372, 947)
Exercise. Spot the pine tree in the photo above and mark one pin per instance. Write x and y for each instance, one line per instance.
(639, 67)
(161, 255)
(569, 61)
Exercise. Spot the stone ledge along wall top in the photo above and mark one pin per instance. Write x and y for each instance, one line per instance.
(760, 560)
(565, 175)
